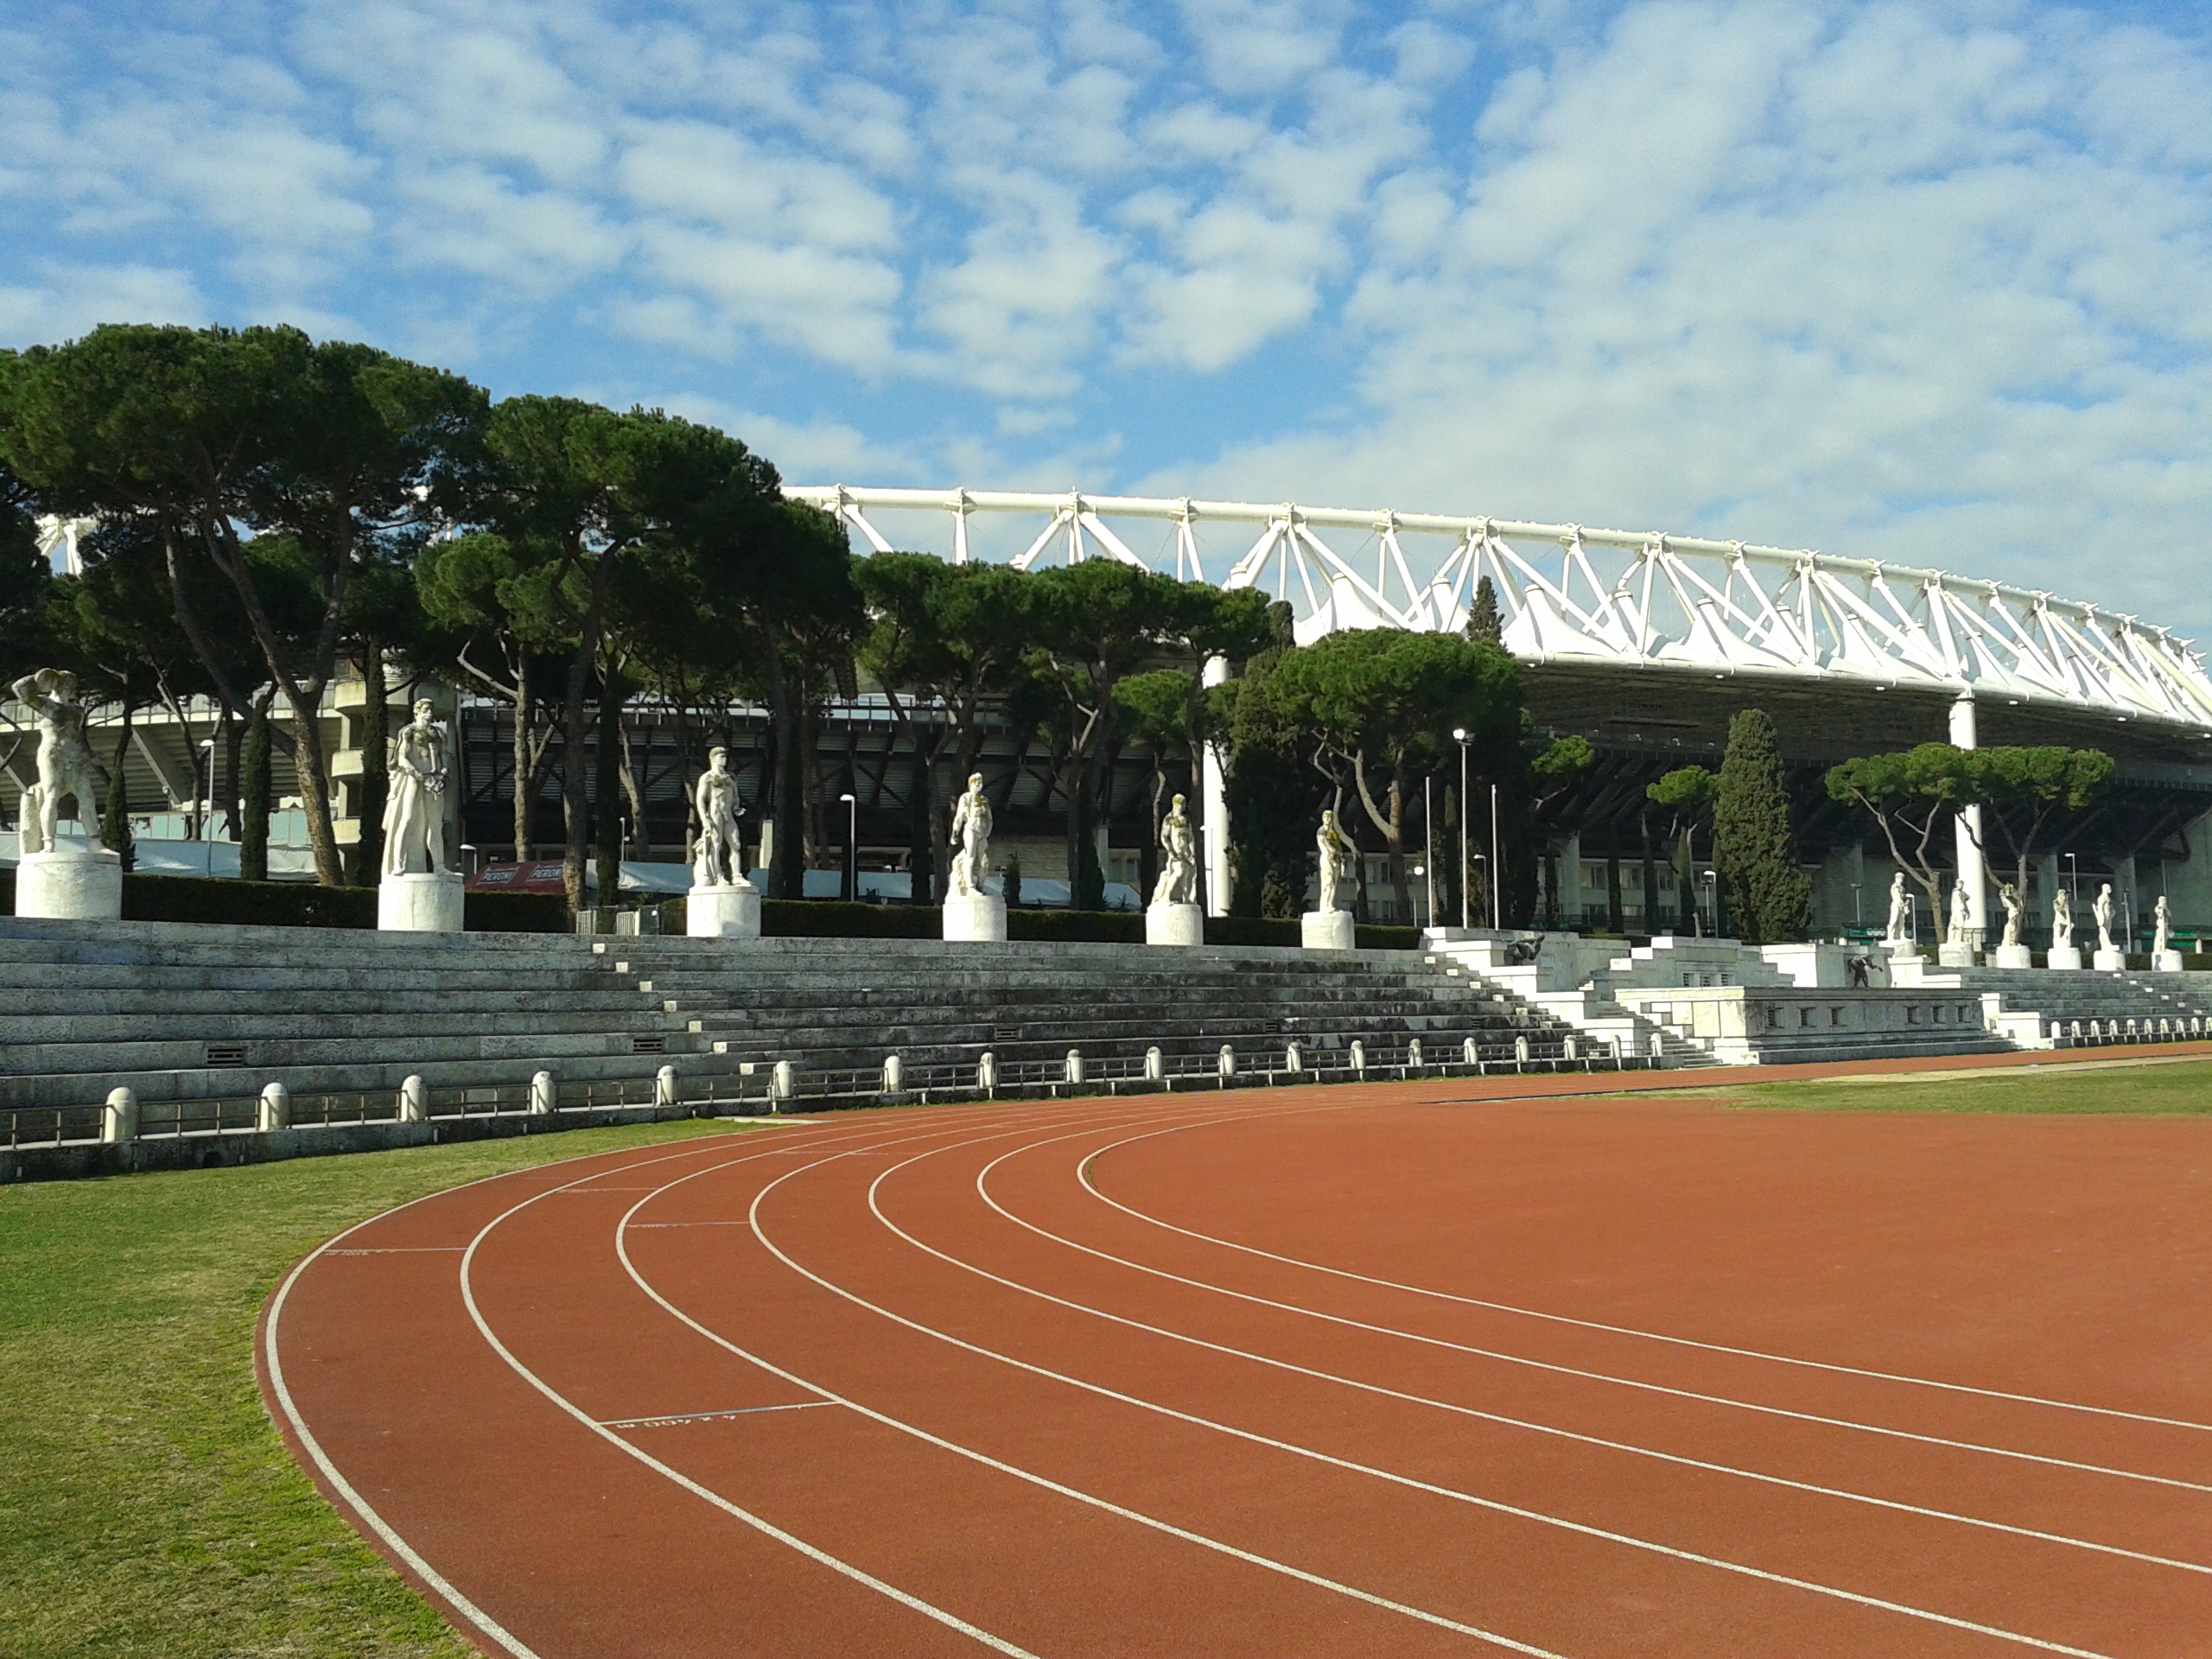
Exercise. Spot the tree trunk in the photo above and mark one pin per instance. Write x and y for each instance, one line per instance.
(921, 830)
(575, 799)
(789, 875)
(376, 778)
(113, 814)
(233, 732)
(254, 792)
(606, 791)
(633, 790)
(525, 776)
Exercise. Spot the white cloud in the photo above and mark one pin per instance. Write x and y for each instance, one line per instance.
(68, 301)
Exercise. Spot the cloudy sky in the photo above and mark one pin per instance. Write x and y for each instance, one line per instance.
(1923, 282)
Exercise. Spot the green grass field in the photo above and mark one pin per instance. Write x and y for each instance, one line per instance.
(151, 1508)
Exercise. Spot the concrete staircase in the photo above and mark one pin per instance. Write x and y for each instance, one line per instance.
(842, 1005)
(177, 1011)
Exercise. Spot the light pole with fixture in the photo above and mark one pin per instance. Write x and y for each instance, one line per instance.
(852, 881)
(1460, 736)
(1428, 834)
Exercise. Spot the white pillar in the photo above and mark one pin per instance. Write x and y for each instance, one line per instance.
(1213, 808)
(1966, 830)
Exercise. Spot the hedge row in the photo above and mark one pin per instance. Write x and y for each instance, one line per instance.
(305, 903)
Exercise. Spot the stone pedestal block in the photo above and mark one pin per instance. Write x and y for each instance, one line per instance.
(979, 916)
(74, 883)
(728, 911)
(1954, 955)
(2110, 962)
(2015, 956)
(2065, 955)
(2167, 962)
(420, 903)
(1326, 930)
(1174, 924)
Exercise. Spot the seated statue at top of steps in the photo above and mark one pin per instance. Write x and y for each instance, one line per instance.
(2009, 896)
(2102, 911)
(65, 766)
(415, 816)
(971, 841)
(1336, 850)
(721, 861)
(1900, 924)
(1179, 874)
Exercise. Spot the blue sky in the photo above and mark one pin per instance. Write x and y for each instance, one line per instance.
(1929, 283)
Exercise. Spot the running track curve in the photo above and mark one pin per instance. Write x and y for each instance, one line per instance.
(1332, 1372)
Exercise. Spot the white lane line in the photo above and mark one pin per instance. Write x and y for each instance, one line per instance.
(273, 1358)
(1090, 1499)
(1083, 1174)
(1492, 1504)
(1504, 1357)
(982, 1188)
(759, 1524)
(401, 1249)
(709, 1416)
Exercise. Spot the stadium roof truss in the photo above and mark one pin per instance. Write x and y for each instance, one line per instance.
(1589, 597)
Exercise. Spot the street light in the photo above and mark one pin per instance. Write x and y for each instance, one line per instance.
(1428, 834)
(852, 882)
(208, 790)
(1460, 736)
(1712, 880)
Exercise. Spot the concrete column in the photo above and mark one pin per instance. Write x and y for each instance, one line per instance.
(1570, 884)
(1213, 807)
(1966, 831)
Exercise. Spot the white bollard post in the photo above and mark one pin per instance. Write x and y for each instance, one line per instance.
(1520, 1051)
(1293, 1059)
(1568, 1047)
(1469, 1054)
(1412, 1053)
(987, 1071)
(414, 1099)
(1658, 1047)
(668, 1087)
(120, 1118)
(276, 1108)
(544, 1094)
(894, 1074)
(1154, 1071)
(783, 1085)
(1359, 1057)
(1074, 1072)
(1228, 1062)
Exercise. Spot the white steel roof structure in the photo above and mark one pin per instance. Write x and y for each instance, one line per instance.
(1590, 598)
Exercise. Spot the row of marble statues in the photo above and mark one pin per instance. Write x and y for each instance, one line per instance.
(2102, 911)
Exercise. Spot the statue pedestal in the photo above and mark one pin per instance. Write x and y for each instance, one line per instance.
(1954, 955)
(2167, 962)
(979, 916)
(2015, 956)
(1326, 930)
(728, 911)
(421, 903)
(2110, 962)
(71, 882)
(2064, 956)
(1174, 924)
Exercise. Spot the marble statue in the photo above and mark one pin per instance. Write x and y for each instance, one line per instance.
(1178, 873)
(2009, 896)
(971, 841)
(721, 860)
(65, 766)
(415, 815)
(1961, 912)
(1900, 924)
(2102, 911)
(1336, 853)
(2162, 920)
(2062, 921)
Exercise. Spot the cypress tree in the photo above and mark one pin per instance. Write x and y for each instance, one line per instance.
(1769, 897)
(1486, 623)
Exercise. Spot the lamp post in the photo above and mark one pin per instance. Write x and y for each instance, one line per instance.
(1496, 868)
(204, 808)
(1460, 736)
(1858, 916)
(1712, 880)
(852, 881)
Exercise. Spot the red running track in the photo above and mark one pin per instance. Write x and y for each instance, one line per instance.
(1352, 1371)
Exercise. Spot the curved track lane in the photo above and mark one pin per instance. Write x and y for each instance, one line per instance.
(1306, 1372)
